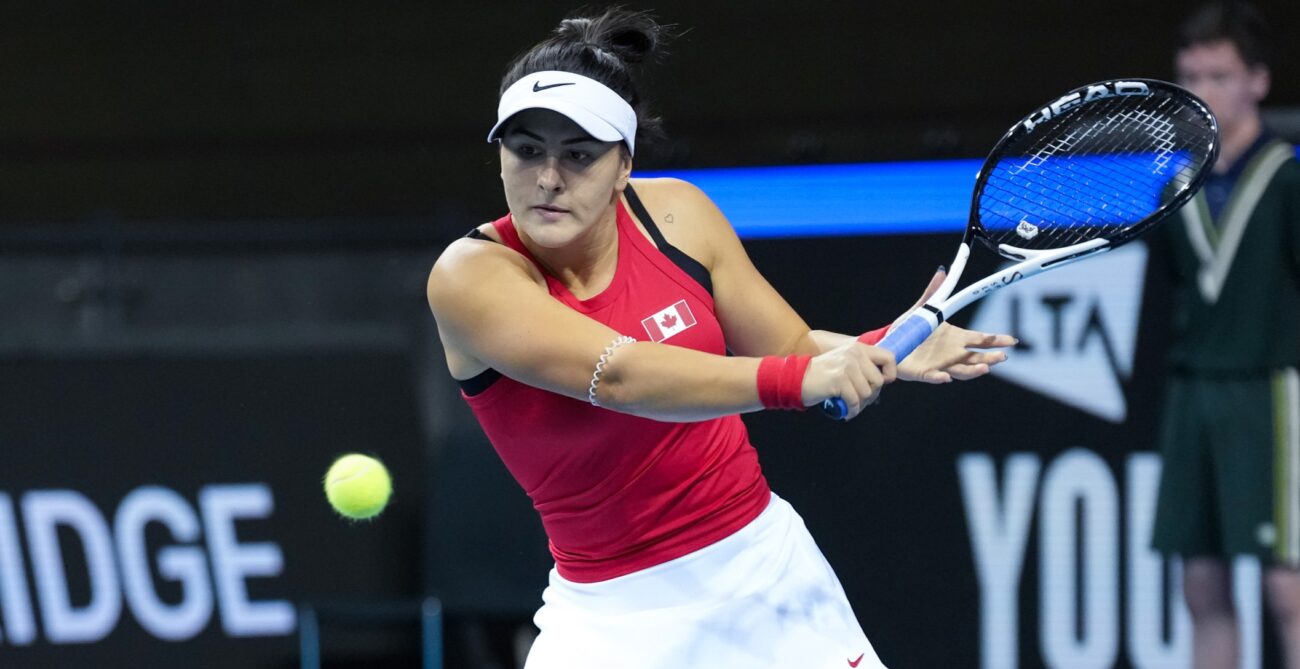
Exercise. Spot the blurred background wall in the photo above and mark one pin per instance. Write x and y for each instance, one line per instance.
(215, 225)
(146, 111)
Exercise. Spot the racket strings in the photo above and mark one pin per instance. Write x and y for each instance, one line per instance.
(1160, 129)
(1048, 198)
(1085, 207)
(1100, 173)
(1128, 207)
(1094, 172)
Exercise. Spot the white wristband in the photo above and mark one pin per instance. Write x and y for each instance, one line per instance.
(600, 366)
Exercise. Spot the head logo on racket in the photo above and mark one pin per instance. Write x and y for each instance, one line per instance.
(1084, 95)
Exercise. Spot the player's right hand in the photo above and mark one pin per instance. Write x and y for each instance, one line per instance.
(853, 372)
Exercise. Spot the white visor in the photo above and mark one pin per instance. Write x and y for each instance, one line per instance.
(598, 110)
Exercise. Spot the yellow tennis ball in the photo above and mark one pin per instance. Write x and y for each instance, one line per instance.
(358, 486)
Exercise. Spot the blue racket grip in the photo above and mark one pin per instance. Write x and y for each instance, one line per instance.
(900, 341)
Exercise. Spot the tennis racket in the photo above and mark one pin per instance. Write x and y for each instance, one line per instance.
(1085, 173)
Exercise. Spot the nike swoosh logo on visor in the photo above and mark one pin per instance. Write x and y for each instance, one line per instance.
(854, 663)
(538, 87)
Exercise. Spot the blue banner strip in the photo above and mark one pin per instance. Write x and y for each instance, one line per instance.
(840, 200)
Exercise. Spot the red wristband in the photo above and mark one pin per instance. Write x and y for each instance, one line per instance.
(769, 372)
(780, 381)
(792, 381)
(872, 338)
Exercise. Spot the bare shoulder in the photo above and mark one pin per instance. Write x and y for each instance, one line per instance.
(468, 266)
(466, 287)
(687, 216)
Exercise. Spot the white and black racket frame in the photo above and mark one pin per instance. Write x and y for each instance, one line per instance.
(912, 330)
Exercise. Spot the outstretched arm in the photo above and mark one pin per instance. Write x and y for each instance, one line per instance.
(493, 311)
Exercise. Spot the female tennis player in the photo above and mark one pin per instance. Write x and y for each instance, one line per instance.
(591, 344)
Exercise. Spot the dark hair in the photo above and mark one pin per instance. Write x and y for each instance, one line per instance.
(1235, 22)
(605, 47)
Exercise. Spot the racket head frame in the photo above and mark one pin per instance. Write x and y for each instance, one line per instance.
(1073, 103)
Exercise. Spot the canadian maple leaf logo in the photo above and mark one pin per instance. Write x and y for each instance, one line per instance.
(669, 321)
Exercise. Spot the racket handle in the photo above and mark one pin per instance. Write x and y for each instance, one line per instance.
(909, 334)
(900, 341)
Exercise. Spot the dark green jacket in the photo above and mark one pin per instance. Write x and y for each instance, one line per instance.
(1237, 281)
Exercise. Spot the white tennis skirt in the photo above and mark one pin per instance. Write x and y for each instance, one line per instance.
(762, 598)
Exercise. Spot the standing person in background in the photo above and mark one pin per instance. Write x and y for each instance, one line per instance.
(1230, 437)
(592, 346)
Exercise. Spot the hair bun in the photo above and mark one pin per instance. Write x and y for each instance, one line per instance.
(632, 36)
(574, 29)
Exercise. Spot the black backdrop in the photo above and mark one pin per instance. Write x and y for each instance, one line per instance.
(346, 109)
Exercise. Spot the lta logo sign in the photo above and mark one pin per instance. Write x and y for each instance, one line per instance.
(1077, 327)
(1075, 527)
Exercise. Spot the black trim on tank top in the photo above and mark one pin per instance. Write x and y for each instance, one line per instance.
(484, 379)
(690, 265)
(479, 382)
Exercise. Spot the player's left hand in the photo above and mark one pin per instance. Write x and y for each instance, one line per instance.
(946, 354)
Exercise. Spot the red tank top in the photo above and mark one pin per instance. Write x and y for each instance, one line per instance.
(619, 493)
